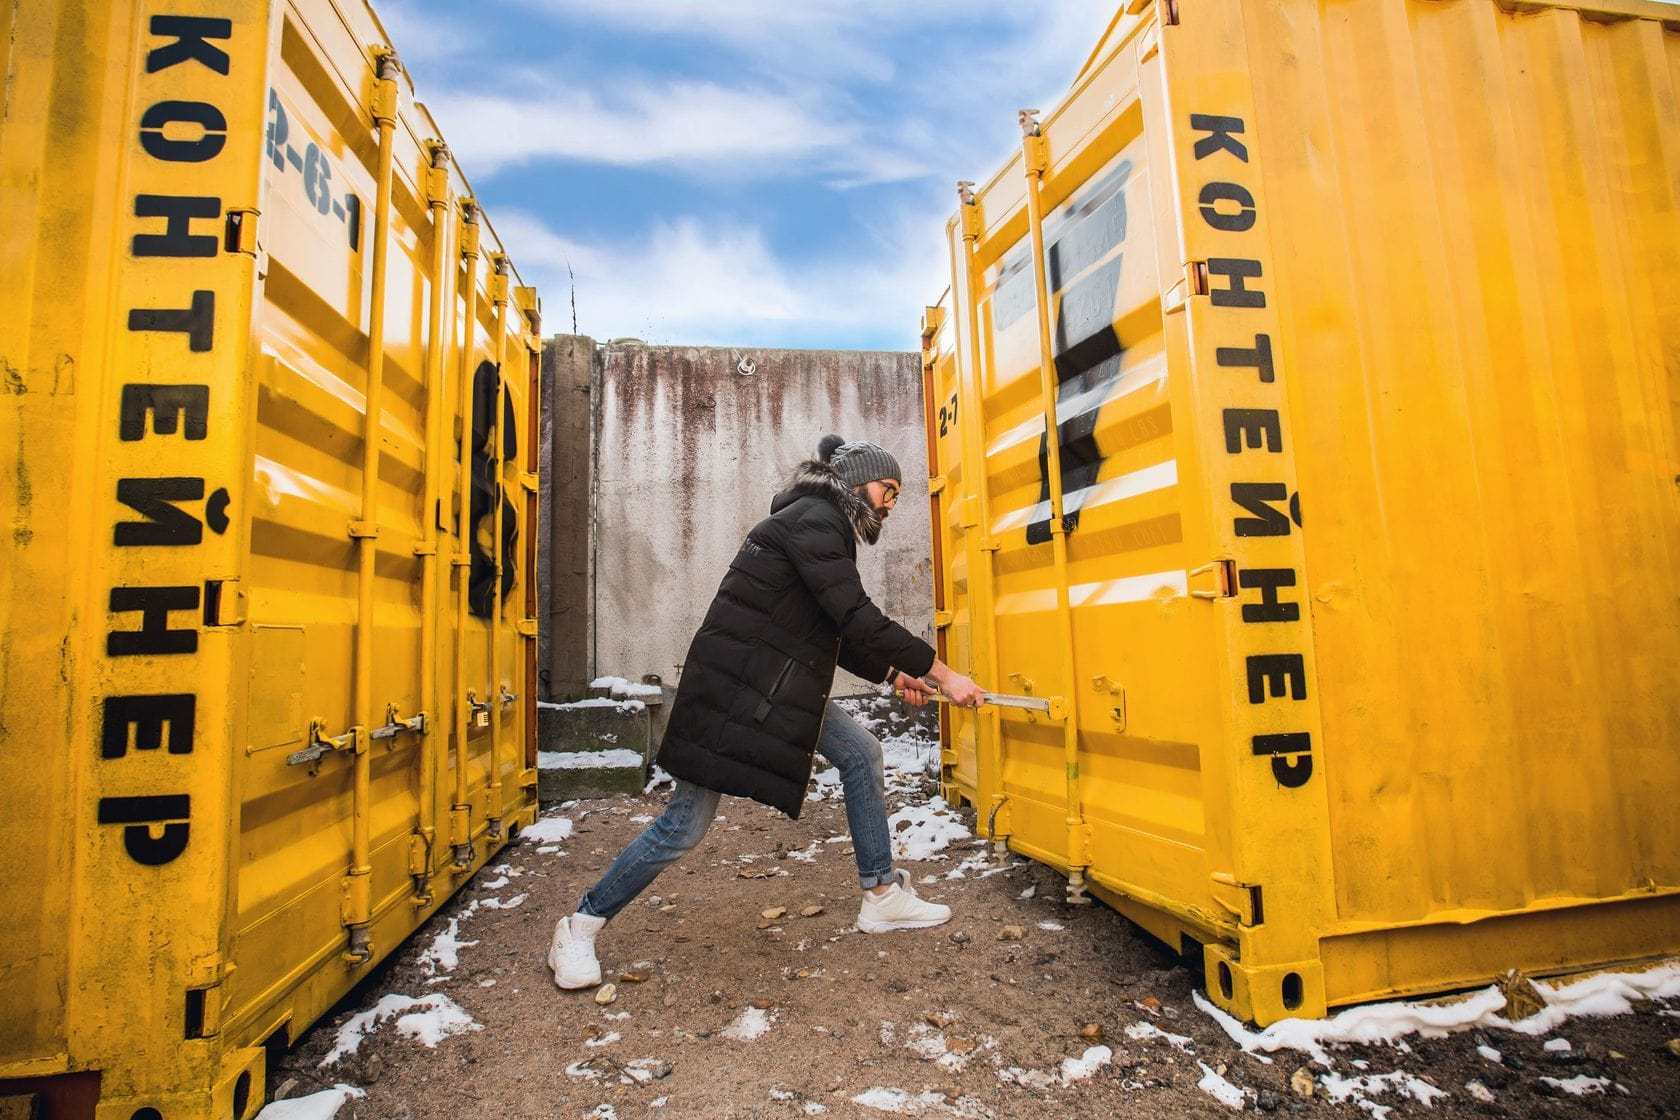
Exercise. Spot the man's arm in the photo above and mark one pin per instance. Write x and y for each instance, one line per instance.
(868, 639)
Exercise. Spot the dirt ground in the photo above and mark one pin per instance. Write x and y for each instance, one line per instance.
(962, 1020)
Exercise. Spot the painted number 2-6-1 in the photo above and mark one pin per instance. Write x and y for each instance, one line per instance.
(312, 163)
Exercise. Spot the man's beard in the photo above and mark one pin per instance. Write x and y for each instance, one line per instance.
(869, 528)
(866, 519)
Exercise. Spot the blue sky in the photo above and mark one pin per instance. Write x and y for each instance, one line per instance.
(736, 172)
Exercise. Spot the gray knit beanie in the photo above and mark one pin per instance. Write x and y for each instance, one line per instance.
(858, 462)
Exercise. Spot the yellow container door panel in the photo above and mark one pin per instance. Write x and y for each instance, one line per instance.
(201, 343)
(1374, 568)
(1518, 217)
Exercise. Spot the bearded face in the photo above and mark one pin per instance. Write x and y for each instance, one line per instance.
(866, 518)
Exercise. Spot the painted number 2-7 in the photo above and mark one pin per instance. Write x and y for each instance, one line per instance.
(947, 416)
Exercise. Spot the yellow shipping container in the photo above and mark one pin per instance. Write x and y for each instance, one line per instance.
(264, 700)
(1352, 575)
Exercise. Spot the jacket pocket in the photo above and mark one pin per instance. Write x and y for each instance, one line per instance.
(762, 712)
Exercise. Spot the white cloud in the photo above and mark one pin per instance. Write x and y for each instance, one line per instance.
(689, 281)
(851, 93)
(697, 124)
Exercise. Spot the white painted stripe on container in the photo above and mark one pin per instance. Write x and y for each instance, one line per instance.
(1145, 374)
(1141, 481)
(1126, 589)
(1130, 589)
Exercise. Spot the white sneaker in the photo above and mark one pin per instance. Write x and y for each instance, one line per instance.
(899, 908)
(572, 959)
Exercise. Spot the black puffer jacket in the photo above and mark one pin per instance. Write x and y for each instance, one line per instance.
(749, 706)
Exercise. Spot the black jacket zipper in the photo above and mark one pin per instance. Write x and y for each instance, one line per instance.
(763, 710)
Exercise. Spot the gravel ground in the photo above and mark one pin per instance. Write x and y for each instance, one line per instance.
(1021, 1006)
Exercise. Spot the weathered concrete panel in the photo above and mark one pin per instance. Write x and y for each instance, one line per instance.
(570, 368)
(690, 448)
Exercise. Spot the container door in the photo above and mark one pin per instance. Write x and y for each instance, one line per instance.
(1129, 809)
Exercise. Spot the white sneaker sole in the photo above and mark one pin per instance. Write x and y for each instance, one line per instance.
(869, 925)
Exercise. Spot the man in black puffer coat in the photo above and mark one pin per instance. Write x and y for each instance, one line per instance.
(752, 705)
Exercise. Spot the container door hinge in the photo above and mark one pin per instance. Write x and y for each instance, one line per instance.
(1242, 900)
(527, 627)
(932, 319)
(936, 484)
(531, 481)
(419, 854)
(202, 1016)
(942, 619)
(1196, 278)
(224, 602)
(1115, 701)
(242, 230)
(1217, 580)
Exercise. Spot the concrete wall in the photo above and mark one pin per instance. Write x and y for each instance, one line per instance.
(688, 451)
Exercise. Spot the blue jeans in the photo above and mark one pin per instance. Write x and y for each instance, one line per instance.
(852, 750)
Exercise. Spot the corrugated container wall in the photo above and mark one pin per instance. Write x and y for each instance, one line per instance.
(262, 703)
(1353, 573)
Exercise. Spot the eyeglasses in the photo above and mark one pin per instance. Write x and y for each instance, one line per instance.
(889, 493)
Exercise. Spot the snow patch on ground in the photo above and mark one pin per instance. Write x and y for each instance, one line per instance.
(1221, 1090)
(622, 689)
(1579, 1086)
(595, 702)
(902, 1103)
(752, 1024)
(619, 758)
(809, 1108)
(1603, 994)
(931, 1045)
(549, 830)
(444, 953)
(499, 904)
(1557, 1045)
(1490, 1054)
(316, 1106)
(1138, 1032)
(1360, 1090)
(1087, 1064)
(1053, 927)
(1071, 1071)
(429, 1019)
(659, 778)
(1479, 1091)
(921, 832)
